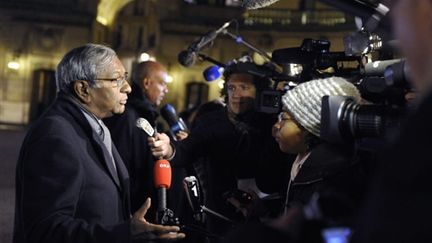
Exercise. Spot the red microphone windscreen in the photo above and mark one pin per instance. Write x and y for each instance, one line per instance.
(162, 174)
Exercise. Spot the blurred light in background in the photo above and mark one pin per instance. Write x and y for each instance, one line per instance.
(13, 65)
(221, 83)
(103, 21)
(144, 57)
(169, 79)
(258, 59)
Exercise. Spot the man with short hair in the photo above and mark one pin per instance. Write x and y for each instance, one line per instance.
(233, 146)
(149, 87)
(71, 184)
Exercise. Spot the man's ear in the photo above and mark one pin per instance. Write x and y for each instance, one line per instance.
(82, 91)
(146, 83)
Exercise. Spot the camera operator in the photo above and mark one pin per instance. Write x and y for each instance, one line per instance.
(235, 142)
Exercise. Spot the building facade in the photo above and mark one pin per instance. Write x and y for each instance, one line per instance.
(35, 34)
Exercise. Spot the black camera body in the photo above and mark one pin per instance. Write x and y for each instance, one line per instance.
(382, 84)
(343, 120)
(316, 61)
(269, 101)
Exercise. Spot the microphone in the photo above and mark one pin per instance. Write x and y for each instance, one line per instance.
(176, 124)
(144, 125)
(213, 72)
(191, 187)
(162, 181)
(188, 57)
(255, 4)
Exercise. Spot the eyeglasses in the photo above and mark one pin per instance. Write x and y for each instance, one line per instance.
(283, 116)
(118, 81)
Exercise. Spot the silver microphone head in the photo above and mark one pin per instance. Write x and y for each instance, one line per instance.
(145, 125)
(255, 4)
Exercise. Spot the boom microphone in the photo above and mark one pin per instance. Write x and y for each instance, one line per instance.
(256, 4)
(162, 181)
(188, 57)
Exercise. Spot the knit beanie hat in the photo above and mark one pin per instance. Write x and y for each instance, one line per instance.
(304, 101)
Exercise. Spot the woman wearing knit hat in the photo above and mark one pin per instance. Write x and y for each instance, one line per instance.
(326, 181)
(331, 170)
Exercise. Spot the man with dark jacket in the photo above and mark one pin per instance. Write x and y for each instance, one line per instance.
(149, 87)
(235, 144)
(71, 184)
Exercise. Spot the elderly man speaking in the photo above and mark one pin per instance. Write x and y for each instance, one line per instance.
(71, 184)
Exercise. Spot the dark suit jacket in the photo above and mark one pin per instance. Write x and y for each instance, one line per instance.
(66, 187)
(133, 147)
(230, 152)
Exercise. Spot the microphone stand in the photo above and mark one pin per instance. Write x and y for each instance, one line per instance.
(203, 231)
(211, 212)
(240, 40)
(207, 58)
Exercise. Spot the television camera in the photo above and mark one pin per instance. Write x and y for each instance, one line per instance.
(368, 61)
(382, 84)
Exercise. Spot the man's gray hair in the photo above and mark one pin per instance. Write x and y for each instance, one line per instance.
(83, 63)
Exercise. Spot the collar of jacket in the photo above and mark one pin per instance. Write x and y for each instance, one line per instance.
(69, 107)
(73, 110)
(325, 160)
